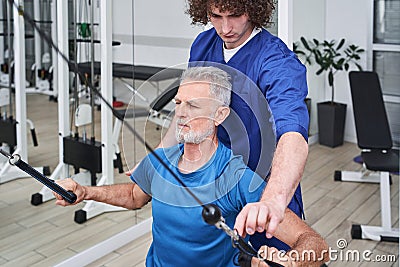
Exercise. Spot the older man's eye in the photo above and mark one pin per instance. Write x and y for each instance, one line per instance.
(192, 105)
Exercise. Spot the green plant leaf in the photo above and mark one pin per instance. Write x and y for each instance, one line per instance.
(317, 54)
(331, 56)
(319, 71)
(337, 66)
(352, 47)
(341, 61)
(359, 66)
(305, 43)
(340, 44)
(330, 78)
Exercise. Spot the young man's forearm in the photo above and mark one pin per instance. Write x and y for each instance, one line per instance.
(287, 168)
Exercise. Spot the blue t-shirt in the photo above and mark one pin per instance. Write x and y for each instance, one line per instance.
(278, 74)
(180, 236)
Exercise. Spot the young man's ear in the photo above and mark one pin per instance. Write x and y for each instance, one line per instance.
(221, 114)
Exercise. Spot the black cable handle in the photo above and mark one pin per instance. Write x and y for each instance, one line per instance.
(16, 160)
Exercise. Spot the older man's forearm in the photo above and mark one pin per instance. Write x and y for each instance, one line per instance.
(121, 195)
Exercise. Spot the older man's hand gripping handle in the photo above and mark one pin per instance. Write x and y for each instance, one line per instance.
(70, 197)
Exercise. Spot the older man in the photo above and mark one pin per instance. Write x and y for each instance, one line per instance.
(209, 170)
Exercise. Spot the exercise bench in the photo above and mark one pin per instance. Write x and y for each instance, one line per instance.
(377, 152)
(121, 71)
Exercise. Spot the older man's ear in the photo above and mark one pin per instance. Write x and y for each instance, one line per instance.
(221, 114)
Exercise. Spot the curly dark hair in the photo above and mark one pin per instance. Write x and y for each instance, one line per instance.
(259, 11)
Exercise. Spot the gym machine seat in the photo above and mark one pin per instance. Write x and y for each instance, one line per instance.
(375, 140)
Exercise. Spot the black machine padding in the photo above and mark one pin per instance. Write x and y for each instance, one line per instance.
(372, 126)
(377, 160)
(373, 131)
(165, 97)
(128, 71)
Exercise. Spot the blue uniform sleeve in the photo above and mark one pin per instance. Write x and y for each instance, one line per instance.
(284, 78)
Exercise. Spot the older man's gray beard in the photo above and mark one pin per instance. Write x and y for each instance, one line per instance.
(192, 136)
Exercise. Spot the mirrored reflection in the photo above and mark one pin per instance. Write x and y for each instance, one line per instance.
(387, 21)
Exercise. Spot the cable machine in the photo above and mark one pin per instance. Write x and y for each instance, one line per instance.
(42, 71)
(13, 132)
(6, 48)
(7, 51)
(2, 28)
(82, 152)
(93, 208)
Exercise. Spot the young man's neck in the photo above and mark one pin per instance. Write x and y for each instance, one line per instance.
(246, 36)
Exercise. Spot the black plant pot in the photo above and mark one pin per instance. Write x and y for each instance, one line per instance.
(331, 119)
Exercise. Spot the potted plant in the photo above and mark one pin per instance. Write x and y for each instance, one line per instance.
(331, 57)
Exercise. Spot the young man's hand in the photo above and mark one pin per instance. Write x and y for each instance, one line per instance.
(260, 216)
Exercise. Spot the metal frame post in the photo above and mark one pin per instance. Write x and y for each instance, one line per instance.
(19, 80)
(285, 22)
(38, 48)
(93, 208)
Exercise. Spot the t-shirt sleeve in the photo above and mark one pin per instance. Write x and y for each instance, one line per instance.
(249, 188)
(143, 175)
(284, 78)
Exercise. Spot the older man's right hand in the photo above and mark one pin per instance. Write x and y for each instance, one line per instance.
(70, 185)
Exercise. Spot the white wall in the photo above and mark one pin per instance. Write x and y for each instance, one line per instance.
(333, 19)
(163, 33)
(309, 21)
(350, 20)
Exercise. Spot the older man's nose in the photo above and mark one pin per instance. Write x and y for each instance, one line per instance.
(181, 110)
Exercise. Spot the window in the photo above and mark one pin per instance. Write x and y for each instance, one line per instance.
(387, 21)
(386, 58)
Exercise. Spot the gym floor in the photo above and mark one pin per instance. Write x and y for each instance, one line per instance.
(45, 235)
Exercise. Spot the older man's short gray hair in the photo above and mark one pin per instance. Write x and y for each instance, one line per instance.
(220, 86)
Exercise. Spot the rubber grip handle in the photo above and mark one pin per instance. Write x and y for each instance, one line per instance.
(34, 138)
(69, 196)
